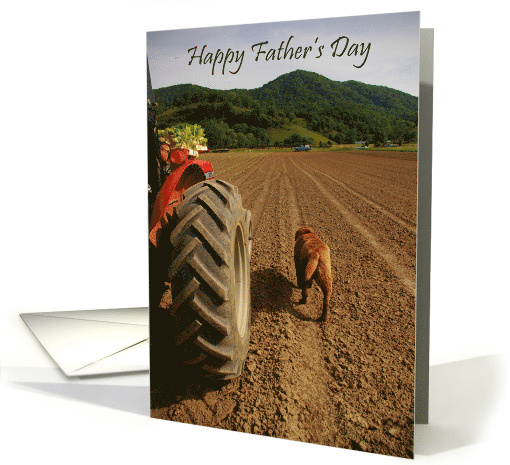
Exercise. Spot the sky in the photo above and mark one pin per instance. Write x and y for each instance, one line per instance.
(374, 49)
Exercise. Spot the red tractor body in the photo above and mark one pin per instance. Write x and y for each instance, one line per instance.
(186, 171)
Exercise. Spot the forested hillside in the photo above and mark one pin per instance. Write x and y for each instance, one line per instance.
(298, 107)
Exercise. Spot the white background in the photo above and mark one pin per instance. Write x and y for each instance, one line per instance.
(73, 235)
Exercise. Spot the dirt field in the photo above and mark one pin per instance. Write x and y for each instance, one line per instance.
(348, 382)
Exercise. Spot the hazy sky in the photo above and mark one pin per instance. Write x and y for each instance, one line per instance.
(377, 49)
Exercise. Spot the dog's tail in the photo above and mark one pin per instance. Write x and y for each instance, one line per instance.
(311, 266)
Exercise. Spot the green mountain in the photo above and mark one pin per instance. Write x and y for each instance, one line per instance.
(307, 89)
(300, 105)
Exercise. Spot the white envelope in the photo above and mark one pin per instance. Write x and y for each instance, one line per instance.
(94, 342)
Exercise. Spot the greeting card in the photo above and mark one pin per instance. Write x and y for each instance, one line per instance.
(283, 200)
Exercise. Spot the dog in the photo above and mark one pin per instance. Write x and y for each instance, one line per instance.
(313, 262)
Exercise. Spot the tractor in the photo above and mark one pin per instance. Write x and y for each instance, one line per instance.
(200, 243)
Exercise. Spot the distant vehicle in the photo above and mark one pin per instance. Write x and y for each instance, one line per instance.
(302, 148)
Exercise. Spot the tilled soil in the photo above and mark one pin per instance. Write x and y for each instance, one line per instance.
(348, 382)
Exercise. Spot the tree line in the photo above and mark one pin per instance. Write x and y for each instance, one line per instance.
(299, 102)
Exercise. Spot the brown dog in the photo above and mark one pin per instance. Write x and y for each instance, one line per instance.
(312, 260)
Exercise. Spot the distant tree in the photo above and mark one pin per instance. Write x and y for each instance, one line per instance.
(339, 138)
(251, 140)
(217, 133)
(294, 139)
(241, 139)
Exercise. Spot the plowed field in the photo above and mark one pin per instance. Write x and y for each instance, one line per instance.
(348, 382)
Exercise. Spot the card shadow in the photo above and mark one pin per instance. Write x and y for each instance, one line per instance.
(462, 396)
(133, 399)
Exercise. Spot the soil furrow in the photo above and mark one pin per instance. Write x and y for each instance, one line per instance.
(310, 415)
(395, 191)
(398, 240)
(406, 275)
(401, 221)
(346, 383)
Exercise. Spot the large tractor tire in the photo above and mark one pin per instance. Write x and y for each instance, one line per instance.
(210, 280)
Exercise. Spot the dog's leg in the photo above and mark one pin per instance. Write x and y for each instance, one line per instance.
(300, 275)
(325, 282)
(307, 276)
(311, 266)
(325, 305)
(299, 272)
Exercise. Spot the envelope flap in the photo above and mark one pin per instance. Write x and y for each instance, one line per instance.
(75, 343)
(133, 316)
(135, 358)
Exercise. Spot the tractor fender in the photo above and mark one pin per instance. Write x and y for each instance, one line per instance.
(171, 192)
